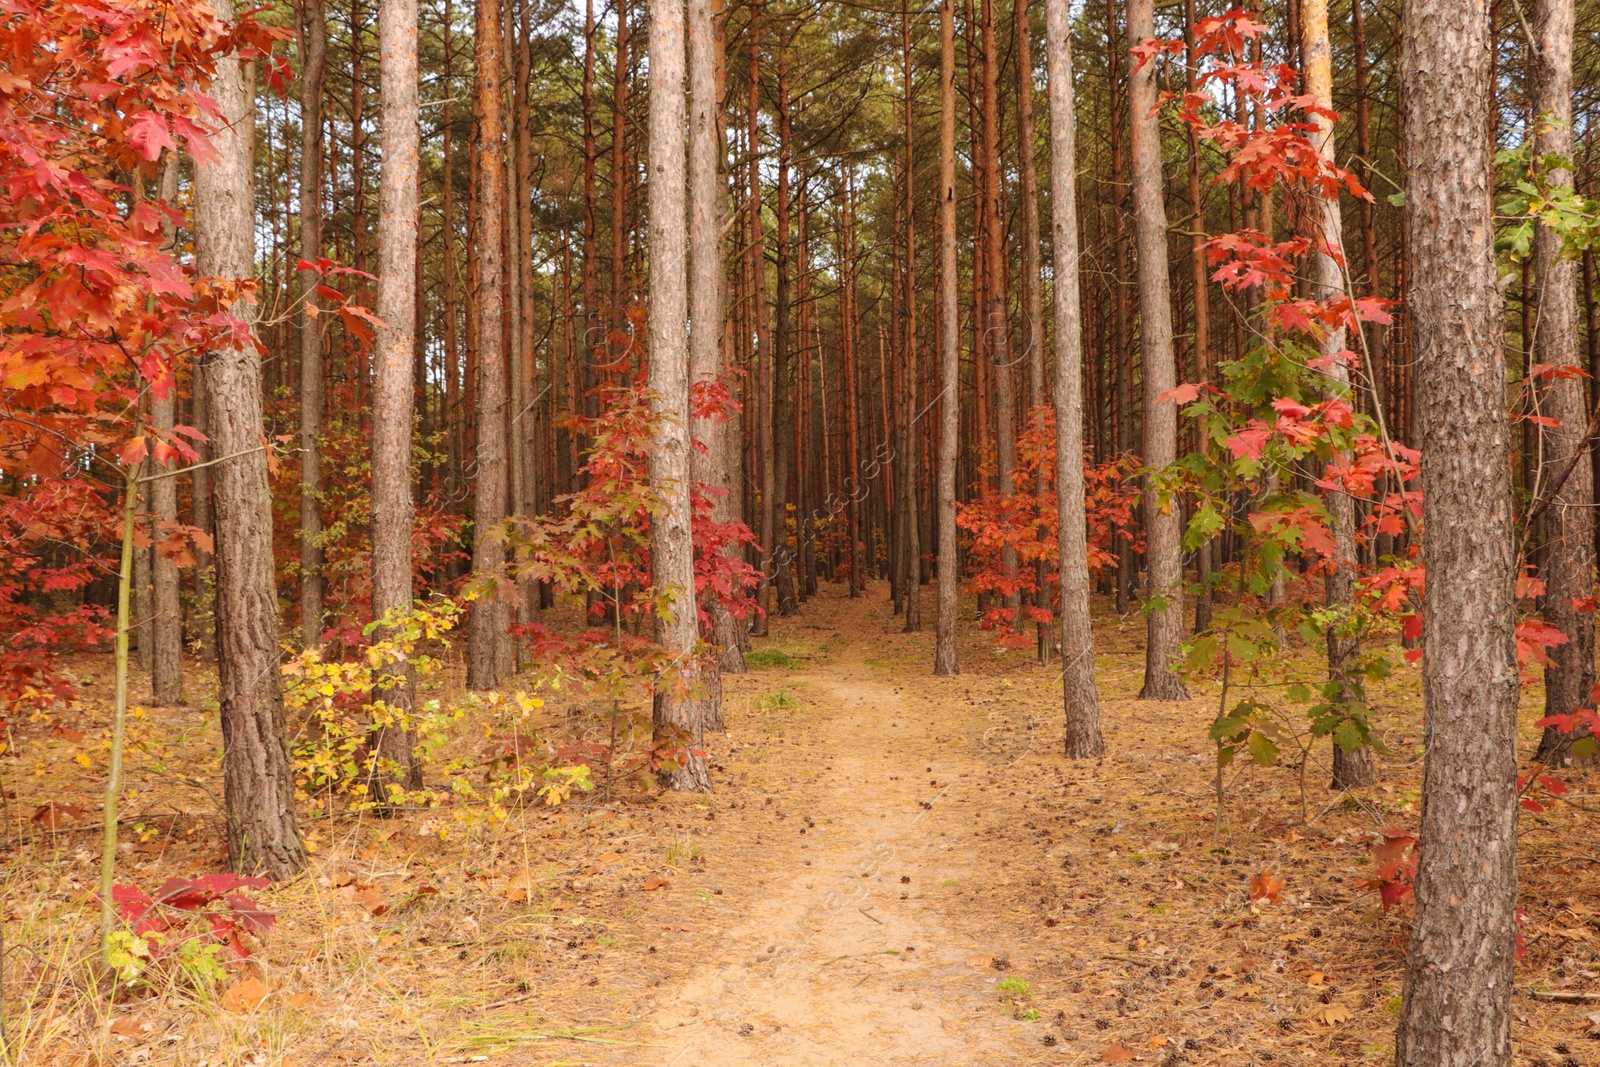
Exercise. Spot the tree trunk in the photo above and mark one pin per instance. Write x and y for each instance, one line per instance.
(778, 441)
(1080, 698)
(486, 633)
(395, 743)
(314, 42)
(911, 577)
(679, 718)
(1163, 545)
(707, 319)
(258, 787)
(1569, 521)
(1352, 767)
(166, 620)
(1120, 360)
(1456, 1008)
(763, 353)
(616, 350)
(997, 301)
(945, 661)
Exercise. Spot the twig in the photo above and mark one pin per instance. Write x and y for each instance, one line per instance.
(1562, 998)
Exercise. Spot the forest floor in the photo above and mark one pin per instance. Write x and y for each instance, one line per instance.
(894, 869)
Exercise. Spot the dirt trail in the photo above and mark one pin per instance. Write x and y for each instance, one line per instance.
(847, 960)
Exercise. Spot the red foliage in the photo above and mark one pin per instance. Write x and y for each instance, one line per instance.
(93, 307)
(1027, 521)
(165, 919)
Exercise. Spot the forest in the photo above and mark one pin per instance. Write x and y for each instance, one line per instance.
(499, 498)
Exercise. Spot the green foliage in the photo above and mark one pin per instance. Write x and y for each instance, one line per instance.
(762, 659)
(782, 699)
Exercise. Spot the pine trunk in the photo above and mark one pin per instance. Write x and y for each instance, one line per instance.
(945, 660)
(1569, 520)
(1456, 1006)
(1080, 697)
(394, 744)
(258, 787)
(1163, 546)
(487, 637)
(679, 719)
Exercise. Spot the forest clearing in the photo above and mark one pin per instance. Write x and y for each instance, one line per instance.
(798, 532)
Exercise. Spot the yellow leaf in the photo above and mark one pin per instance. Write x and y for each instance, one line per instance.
(83, 759)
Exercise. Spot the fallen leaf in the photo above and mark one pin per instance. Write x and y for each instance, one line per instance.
(1316, 978)
(52, 815)
(1331, 1015)
(1264, 886)
(247, 994)
(687, 928)
(516, 894)
(372, 899)
(1116, 1053)
(1156, 1042)
(129, 1026)
(980, 963)
(657, 883)
(607, 858)
(302, 1000)
(68, 733)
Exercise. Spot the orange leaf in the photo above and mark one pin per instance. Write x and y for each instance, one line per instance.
(657, 883)
(129, 1026)
(1264, 886)
(247, 994)
(1116, 1053)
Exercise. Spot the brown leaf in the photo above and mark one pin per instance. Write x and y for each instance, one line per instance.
(1316, 978)
(1116, 1053)
(247, 994)
(980, 963)
(657, 883)
(129, 1026)
(607, 858)
(52, 815)
(1264, 886)
(302, 1000)
(372, 899)
(1331, 1015)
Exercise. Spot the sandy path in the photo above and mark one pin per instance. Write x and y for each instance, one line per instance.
(845, 961)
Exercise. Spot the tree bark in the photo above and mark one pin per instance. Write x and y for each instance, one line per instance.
(763, 352)
(1569, 522)
(1163, 546)
(166, 621)
(487, 638)
(1121, 364)
(679, 717)
(1080, 697)
(258, 787)
(945, 660)
(997, 301)
(393, 511)
(1351, 767)
(911, 577)
(707, 320)
(778, 442)
(1457, 997)
(314, 43)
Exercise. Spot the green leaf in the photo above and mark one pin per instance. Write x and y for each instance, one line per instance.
(1349, 735)
(1397, 199)
(1263, 753)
